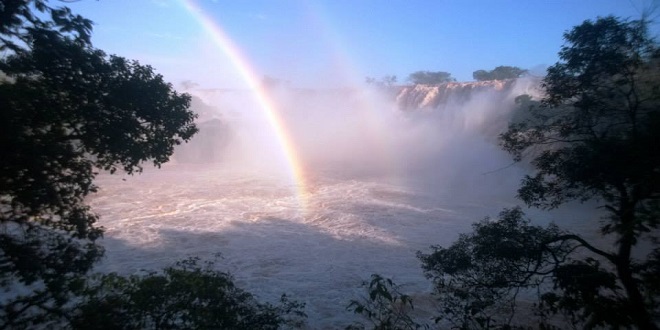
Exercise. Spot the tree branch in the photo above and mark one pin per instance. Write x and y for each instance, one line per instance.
(584, 243)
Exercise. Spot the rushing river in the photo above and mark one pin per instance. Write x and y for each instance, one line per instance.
(378, 190)
(354, 228)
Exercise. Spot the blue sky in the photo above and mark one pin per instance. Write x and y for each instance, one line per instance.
(340, 42)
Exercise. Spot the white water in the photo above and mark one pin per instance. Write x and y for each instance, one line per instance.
(358, 222)
(356, 228)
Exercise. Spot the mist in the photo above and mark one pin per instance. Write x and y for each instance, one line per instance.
(412, 135)
(388, 172)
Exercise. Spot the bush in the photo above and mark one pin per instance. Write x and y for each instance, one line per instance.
(185, 296)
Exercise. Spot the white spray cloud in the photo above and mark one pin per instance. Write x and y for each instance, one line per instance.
(438, 140)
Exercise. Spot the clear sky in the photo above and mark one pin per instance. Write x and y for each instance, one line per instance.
(337, 43)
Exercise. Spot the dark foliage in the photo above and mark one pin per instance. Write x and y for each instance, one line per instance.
(430, 77)
(499, 73)
(19, 23)
(67, 111)
(385, 81)
(386, 307)
(479, 278)
(186, 296)
(595, 136)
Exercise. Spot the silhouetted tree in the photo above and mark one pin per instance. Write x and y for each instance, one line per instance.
(19, 23)
(68, 110)
(430, 78)
(385, 307)
(385, 81)
(389, 80)
(594, 136)
(499, 73)
(185, 296)
(480, 276)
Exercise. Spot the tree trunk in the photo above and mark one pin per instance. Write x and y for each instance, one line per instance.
(637, 308)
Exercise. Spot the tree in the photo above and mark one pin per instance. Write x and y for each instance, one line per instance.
(385, 81)
(19, 23)
(598, 129)
(68, 110)
(499, 73)
(480, 276)
(594, 136)
(386, 307)
(185, 296)
(430, 78)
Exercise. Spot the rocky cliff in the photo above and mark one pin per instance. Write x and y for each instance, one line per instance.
(430, 97)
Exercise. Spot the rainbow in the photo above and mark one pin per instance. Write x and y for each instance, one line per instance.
(265, 101)
(372, 113)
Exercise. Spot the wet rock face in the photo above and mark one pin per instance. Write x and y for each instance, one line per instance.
(430, 97)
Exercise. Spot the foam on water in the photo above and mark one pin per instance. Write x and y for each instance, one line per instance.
(357, 228)
(382, 185)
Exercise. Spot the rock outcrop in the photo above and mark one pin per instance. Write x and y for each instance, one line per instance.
(430, 97)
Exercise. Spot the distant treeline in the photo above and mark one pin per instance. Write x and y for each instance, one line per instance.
(441, 77)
